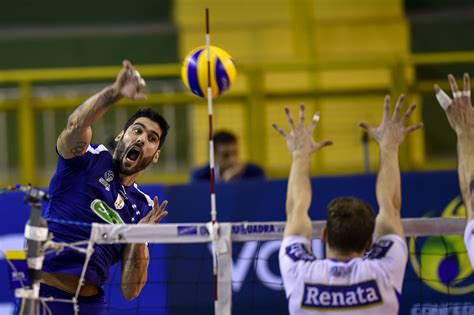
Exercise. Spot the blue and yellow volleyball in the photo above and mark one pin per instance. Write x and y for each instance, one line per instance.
(194, 71)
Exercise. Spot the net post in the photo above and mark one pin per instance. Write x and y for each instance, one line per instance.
(36, 235)
(221, 237)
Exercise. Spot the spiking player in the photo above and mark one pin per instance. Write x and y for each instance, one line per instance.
(345, 282)
(92, 185)
(461, 118)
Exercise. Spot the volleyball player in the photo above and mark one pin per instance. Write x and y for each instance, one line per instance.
(93, 185)
(461, 118)
(345, 282)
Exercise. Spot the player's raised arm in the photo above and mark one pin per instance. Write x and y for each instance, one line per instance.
(460, 115)
(76, 136)
(301, 145)
(461, 118)
(389, 135)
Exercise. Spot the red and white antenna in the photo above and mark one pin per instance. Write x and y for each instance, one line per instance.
(213, 226)
(210, 114)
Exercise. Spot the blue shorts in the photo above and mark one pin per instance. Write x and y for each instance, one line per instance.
(90, 305)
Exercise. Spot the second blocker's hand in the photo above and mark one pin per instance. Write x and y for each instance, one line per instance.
(300, 138)
(392, 130)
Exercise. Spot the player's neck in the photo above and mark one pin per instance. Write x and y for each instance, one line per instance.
(128, 180)
(334, 254)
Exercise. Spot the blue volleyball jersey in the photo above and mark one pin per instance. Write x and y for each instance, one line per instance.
(88, 189)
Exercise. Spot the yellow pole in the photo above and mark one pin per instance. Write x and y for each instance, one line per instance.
(256, 116)
(27, 127)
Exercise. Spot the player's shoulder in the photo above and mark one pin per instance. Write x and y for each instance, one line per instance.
(469, 240)
(98, 158)
(386, 244)
(95, 158)
(98, 149)
(469, 230)
(297, 248)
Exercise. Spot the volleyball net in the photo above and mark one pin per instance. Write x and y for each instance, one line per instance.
(245, 254)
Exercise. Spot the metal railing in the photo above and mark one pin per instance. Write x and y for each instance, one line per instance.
(254, 94)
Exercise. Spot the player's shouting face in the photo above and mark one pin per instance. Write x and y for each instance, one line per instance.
(138, 146)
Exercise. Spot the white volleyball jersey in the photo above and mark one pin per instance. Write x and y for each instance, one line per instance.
(369, 285)
(469, 240)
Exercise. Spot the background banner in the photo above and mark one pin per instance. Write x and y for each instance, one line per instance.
(181, 275)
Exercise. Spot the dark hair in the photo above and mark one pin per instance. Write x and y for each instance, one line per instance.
(350, 224)
(148, 112)
(223, 137)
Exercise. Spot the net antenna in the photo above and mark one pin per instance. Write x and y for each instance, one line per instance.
(210, 114)
(221, 247)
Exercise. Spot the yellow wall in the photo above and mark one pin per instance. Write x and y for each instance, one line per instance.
(262, 32)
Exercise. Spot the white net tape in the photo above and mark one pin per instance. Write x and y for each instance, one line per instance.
(228, 233)
(246, 231)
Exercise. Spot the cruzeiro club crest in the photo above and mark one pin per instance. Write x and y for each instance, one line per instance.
(105, 212)
(442, 262)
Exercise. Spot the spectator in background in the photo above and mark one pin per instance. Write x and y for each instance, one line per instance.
(228, 166)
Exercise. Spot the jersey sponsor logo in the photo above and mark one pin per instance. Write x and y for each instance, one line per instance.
(341, 297)
(379, 250)
(187, 230)
(105, 212)
(119, 202)
(340, 271)
(453, 307)
(254, 229)
(109, 176)
(104, 183)
(298, 251)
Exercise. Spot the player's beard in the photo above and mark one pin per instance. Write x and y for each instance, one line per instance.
(120, 155)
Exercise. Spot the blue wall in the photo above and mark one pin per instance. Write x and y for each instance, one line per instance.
(180, 280)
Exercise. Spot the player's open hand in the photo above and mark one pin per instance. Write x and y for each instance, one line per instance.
(392, 131)
(129, 82)
(459, 109)
(300, 138)
(156, 214)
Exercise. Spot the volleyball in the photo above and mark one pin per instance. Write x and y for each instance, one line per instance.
(194, 71)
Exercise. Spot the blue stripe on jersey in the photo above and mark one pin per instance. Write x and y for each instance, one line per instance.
(222, 78)
(379, 250)
(298, 251)
(193, 73)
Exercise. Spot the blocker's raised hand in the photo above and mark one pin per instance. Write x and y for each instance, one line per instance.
(392, 131)
(459, 109)
(300, 138)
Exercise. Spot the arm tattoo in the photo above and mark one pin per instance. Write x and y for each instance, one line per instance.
(79, 148)
(108, 97)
